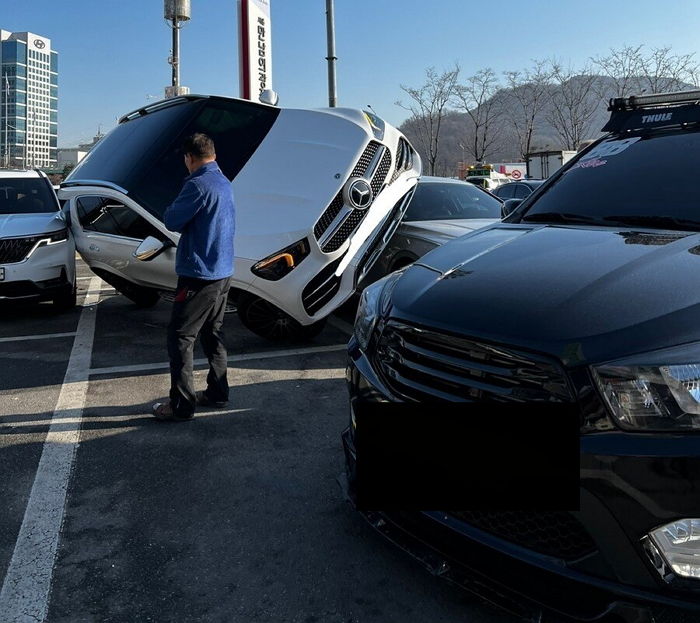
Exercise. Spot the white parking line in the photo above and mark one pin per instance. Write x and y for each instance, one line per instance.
(25, 591)
(271, 354)
(43, 336)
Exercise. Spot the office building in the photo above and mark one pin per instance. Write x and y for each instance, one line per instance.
(29, 101)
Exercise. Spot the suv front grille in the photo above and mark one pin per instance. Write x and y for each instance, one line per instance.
(421, 364)
(342, 218)
(557, 534)
(14, 250)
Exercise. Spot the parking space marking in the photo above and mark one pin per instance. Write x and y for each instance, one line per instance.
(25, 591)
(42, 336)
(271, 354)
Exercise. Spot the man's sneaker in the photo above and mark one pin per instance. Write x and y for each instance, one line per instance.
(204, 401)
(163, 411)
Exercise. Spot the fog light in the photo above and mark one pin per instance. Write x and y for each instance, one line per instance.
(679, 545)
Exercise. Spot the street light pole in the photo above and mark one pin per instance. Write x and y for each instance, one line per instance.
(331, 58)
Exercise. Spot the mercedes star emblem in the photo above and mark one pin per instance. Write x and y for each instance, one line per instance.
(359, 194)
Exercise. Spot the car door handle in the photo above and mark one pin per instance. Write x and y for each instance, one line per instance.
(94, 247)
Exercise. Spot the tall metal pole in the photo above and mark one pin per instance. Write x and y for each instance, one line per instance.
(7, 114)
(331, 58)
(176, 53)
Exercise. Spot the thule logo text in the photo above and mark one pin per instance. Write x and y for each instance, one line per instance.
(666, 116)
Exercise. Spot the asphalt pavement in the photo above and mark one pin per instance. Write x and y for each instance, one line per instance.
(111, 516)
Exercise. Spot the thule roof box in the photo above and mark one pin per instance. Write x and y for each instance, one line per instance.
(653, 111)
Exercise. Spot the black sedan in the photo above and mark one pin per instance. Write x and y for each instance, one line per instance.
(441, 209)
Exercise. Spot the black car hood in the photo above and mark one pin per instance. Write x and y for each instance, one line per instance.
(583, 294)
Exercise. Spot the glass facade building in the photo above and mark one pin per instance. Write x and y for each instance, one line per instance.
(28, 101)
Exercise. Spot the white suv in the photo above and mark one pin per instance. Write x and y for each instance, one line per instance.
(318, 194)
(37, 254)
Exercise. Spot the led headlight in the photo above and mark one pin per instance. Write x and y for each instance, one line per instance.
(652, 398)
(279, 264)
(56, 236)
(374, 302)
(678, 543)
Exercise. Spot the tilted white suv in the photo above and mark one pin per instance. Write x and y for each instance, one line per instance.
(37, 254)
(318, 193)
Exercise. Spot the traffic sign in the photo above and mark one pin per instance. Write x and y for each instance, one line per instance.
(516, 174)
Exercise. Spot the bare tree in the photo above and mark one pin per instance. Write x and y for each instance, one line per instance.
(477, 98)
(623, 66)
(634, 70)
(428, 107)
(574, 102)
(530, 93)
(664, 71)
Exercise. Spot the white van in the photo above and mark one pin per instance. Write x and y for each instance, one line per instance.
(318, 194)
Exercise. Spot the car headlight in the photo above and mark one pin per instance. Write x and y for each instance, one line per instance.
(676, 545)
(652, 397)
(283, 262)
(56, 236)
(374, 303)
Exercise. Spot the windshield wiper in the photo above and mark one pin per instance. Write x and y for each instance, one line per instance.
(654, 222)
(559, 217)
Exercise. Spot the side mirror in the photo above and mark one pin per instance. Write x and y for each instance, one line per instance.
(151, 248)
(509, 206)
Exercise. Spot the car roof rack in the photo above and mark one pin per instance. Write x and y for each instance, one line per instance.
(655, 110)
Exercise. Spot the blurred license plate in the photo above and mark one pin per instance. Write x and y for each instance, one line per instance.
(2, 274)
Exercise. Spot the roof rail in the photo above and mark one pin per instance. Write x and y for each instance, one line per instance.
(654, 100)
(173, 101)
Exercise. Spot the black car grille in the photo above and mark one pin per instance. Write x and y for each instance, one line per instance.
(321, 289)
(380, 174)
(14, 250)
(557, 534)
(424, 365)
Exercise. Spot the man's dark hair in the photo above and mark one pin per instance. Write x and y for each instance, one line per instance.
(199, 146)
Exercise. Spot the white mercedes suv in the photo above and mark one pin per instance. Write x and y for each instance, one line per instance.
(37, 254)
(318, 194)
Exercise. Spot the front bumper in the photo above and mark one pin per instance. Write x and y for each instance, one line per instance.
(48, 272)
(629, 485)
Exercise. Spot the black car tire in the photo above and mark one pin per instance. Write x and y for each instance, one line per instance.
(269, 321)
(66, 301)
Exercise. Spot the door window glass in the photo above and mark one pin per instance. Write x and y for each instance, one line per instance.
(109, 216)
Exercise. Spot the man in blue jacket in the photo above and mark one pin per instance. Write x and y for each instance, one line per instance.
(204, 214)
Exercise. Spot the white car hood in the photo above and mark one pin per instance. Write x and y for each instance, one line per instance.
(15, 225)
(444, 230)
(293, 179)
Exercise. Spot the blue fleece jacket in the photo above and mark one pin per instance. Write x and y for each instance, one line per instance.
(204, 214)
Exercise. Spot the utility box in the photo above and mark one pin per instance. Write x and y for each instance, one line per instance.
(542, 164)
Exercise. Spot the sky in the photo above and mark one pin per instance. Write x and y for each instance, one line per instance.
(113, 54)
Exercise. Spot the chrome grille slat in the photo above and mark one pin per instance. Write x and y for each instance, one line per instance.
(455, 368)
(13, 250)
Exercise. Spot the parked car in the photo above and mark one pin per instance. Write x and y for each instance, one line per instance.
(317, 193)
(37, 254)
(517, 190)
(586, 296)
(486, 182)
(441, 209)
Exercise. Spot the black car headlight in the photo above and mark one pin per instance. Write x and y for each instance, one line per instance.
(283, 262)
(374, 303)
(652, 397)
(56, 236)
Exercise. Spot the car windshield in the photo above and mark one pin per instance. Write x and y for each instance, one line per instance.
(26, 195)
(439, 201)
(617, 183)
